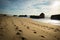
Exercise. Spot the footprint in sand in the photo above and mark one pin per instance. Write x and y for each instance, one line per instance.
(18, 33)
(28, 27)
(23, 38)
(1, 28)
(56, 30)
(20, 30)
(34, 32)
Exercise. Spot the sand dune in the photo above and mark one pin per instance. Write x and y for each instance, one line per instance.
(14, 28)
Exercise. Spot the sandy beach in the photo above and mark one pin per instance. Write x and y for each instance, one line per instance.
(15, 28)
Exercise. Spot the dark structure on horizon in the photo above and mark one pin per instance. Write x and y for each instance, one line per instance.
(15, 15)
(3, 15)
(22, 16)
(55, 17)
(42, 15)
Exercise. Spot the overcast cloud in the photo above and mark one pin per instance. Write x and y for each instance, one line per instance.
(29, 7)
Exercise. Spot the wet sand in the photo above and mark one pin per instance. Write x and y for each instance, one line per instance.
(15, 28)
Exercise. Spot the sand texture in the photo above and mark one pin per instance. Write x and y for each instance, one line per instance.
(15, 28)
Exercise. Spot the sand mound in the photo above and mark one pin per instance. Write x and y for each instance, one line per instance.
(14, 28)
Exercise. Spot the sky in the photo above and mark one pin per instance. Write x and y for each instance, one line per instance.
(30, 7)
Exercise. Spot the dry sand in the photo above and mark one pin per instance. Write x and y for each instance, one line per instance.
(14, 28)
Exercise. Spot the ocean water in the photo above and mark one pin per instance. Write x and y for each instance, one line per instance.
(48, 20)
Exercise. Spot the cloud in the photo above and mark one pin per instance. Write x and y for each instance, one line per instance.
(26, 6)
